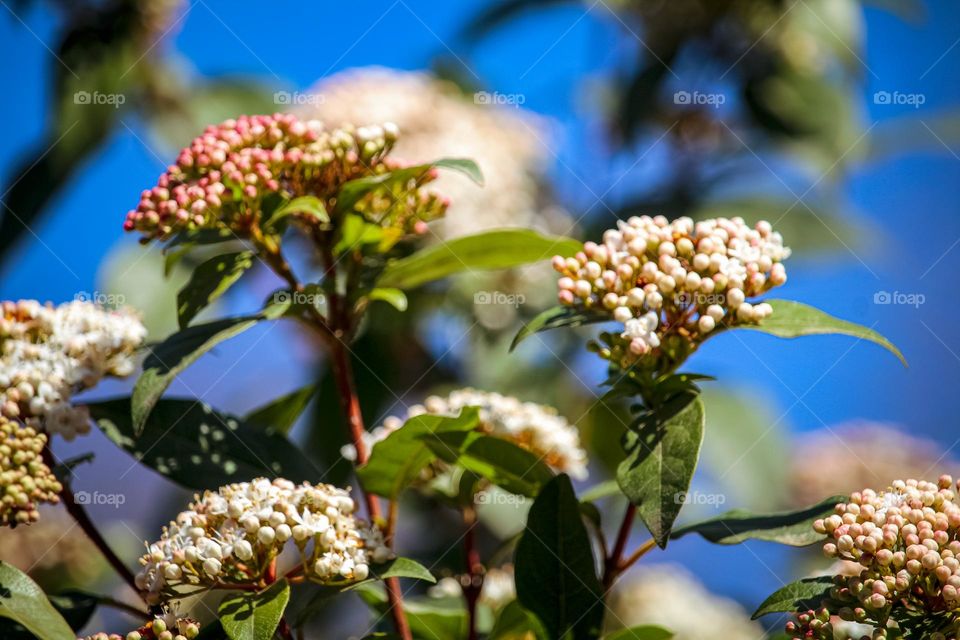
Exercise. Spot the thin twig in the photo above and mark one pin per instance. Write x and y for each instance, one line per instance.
(612, 564)
(474, 582)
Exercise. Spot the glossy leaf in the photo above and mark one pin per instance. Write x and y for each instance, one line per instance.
(254, 616)
(398, 459)
(394, 297)
(353, 191)
(199, 448)
(402, 568)
(281, 414)
(311, 206)
(644, 632)
(793, 319)
(516, 623)
(498, 249)
(500, 461)
(797, 596)
(793, 528)
(557, 317)
(555, 571)
(657, 472)
(433, 618)
(22, 601)
(209, 281)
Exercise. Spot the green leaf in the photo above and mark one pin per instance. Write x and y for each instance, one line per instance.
(281, 414)
(402, 568)
(169, 358)
(498, 249)
(200, 448)
(657, 472)
(254, 616)
(394, 297)
(304, 205)
(603, 490)
(557, 317)
(797, 596)
(355, 232)
(398, 459)
(353, 191)
(429, 618)
(209, 281)
(500, 461)
(555, 571)
(516, 623)
(644, 632)
(794, 528)
(22, 601)
(793, 319)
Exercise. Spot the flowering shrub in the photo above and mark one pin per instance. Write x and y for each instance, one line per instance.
(262, 525)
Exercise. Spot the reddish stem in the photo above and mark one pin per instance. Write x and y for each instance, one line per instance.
(474, 583)
(611, 567)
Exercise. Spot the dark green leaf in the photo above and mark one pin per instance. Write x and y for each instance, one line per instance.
(429, 618)
(209, 281)
(281, 414)
(500, 461)
(353, 191)
(797, 596)
(794, 528)
(398, 459)
(254, 616)
(792, 319)
(657, 472)
(555, 572)
(76, 607)
(645, 632)
(516, 623)
(169, 358)
(498, 249)
(22, 601)
(557, 317)
(200, 448)
(402, 568)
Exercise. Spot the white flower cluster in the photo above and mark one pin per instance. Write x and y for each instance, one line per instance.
(47, 354)
(160, 628)
(907, 542)
(677, 278)
(535, 427)
(438, 121)
(232, 535)
(25, 479)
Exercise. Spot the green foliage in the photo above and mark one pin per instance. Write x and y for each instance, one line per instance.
(794, 528)
(398, 459)
(796, 596)
(645, 632)
(516, 623)
(557, 317)
(394, 297)
(22, 601)
(199, 448)
(555, 572)
(659, 466)
(254, 616)
(433, 618)
(281, 414)
(209, 281)
(498, 249)
(304, 205)
(500, 461)
(793, 319)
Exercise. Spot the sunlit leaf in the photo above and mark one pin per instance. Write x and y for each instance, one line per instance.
(22, 601)
(557, 317)
(209, 281)
(797, 596)
(254, 616)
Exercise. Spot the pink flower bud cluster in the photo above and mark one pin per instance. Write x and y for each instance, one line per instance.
(47, 354)
(25, 479)
(223, 177)
(680, 279)
(231, 536)
(160, 628)
(907, 541)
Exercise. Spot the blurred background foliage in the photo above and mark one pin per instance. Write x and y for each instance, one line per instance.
(785, 128)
